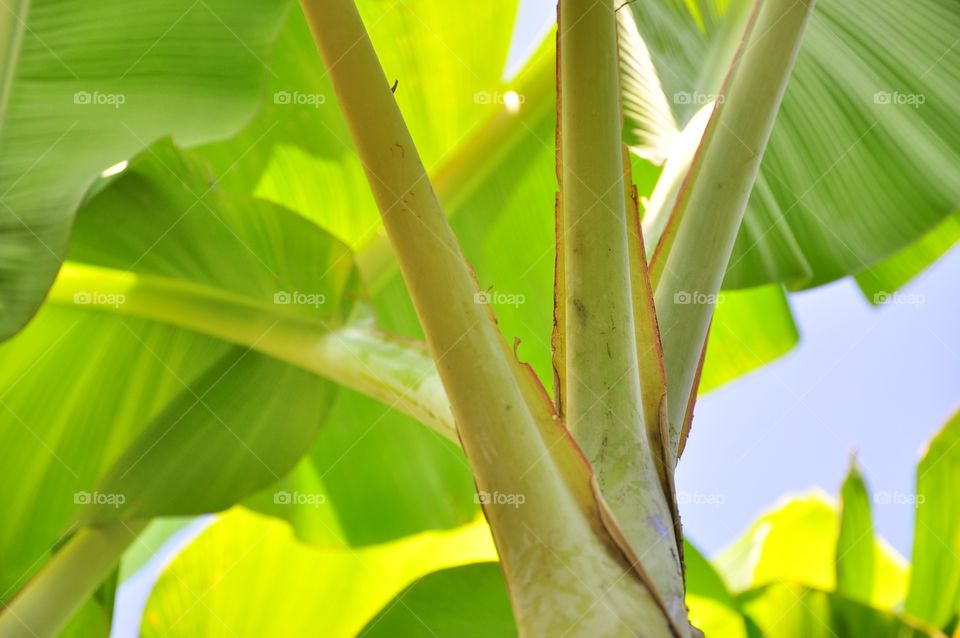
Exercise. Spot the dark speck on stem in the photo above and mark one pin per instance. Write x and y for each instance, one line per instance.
(581, 310)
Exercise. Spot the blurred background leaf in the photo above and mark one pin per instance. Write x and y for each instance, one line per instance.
(151, 411)
(935, 576)
(247, 572)
(855, 544)
(469, 601)
(794, 611)
(88, 84)
(796, 542)
(861, 160)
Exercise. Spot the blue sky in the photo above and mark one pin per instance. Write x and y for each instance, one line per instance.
(880, 381)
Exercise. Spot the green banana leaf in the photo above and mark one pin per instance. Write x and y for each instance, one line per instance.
(703, 579)
(354, 458)
(934, 592)
(887, 277)
(714, 609)
(855, 544)
(469, 601)
(863, 158)
(58, 439)
(448, 62)
(176, 409)
(357, 451)
(794, 611)
(382, 476)
(84, 85)
(767, 553)
(248, 573)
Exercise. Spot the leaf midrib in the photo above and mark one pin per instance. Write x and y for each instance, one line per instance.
(13, 22)
(399, 375)
(108, 280)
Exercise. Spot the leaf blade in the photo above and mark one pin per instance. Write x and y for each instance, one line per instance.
(855, 555)
(81, 80)
(934, 593)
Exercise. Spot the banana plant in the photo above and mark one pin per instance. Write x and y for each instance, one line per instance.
(847, 581)
(270, 297)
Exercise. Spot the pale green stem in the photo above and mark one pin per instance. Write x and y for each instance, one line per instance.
(464, 341)
(45, 605)
(692, 256)
(603, 404)
(401, 375)
(551, 548)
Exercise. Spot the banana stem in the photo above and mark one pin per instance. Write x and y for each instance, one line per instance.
(691, 256)
(561, 546)
(602, 400)
(64, 584)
